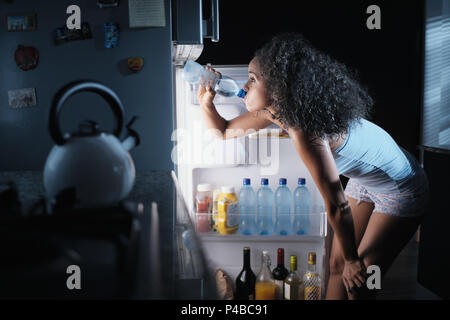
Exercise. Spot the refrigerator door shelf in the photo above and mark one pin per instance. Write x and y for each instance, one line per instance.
(314, 224)
(227, 256)
(209, 237)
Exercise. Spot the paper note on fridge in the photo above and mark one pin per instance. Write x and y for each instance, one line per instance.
(146, 13)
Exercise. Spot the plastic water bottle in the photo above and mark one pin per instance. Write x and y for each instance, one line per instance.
(228, 87)
(225, 86)
(283, 200)
(247, 202)
(301, 208)
(265, 206)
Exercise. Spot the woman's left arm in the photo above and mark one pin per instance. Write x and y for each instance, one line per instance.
(319, 160)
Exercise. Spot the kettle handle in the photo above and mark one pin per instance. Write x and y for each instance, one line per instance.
(75, 87)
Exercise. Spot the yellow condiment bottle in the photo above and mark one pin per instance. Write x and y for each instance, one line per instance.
(228, 211)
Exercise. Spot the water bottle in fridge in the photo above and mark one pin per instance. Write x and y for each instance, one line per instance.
(223, 85)
(283, 200)
(301, 208)
(247, 203)
(265, 207)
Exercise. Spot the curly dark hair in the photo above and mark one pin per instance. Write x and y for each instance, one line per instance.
(308, 89)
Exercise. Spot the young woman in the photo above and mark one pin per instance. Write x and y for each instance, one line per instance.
(322, 105)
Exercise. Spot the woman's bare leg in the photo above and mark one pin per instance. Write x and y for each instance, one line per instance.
(383, 240)
(361, 214)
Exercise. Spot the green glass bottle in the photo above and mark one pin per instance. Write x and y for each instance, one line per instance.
(293, 287)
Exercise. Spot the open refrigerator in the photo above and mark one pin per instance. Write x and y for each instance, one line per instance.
(201, 158)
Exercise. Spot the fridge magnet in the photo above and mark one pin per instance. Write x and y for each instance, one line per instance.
(17, 23)
(111, 34)
(22, 98)
(26, 58)
(108, 3)
(135, 64)
(63, 34)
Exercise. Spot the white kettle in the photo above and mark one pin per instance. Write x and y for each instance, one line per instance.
(95, 166)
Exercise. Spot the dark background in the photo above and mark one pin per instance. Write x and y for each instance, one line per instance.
(389, 60)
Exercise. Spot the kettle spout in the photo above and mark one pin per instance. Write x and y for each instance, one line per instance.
(132, 139)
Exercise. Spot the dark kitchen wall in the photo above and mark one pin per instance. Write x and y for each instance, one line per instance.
(389, 60)
(24, 138)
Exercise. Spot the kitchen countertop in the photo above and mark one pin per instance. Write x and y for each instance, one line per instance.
(152, 186)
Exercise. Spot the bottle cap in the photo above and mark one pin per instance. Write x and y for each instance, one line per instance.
(246, 248)
(301, 181)
(293, 261)
(242, 93)
(265, 252)
(264, 182)
(247, 181)
(280, 253)
(204, 187)
(227, 189)
(283, 181)
(312, 258)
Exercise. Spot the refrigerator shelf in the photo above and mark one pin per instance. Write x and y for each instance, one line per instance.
(317, 229)
(213, 236)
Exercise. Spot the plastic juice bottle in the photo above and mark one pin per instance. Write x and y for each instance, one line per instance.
(228, 211)
(204, 202)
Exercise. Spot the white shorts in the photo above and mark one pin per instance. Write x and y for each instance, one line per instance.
(411, 202)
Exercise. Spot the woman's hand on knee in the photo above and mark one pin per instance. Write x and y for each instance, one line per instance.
(354, 275)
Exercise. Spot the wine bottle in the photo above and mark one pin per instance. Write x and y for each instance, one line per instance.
(293, 288)
(279, 274)
(245, 281)
(312, 280)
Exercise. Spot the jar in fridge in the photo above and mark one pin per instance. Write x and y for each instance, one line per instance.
(204, 206)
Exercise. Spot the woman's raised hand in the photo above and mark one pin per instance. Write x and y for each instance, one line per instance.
(206, 94)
